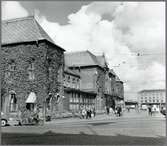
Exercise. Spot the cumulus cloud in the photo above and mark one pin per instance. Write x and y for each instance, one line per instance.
(134, 27)
(12, 9)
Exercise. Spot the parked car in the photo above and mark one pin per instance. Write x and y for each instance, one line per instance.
(163, 111)
(11, 119)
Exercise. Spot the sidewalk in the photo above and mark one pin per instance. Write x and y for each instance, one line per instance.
(99, 117)
(78, 120)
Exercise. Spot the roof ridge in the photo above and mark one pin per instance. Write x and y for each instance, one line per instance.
(73, 52)
(40, 28)
(18, 19)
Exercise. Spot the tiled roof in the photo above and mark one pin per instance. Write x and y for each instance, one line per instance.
(24, 29)
(82, 58)
(67, 70)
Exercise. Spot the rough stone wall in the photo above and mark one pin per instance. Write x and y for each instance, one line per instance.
(55, 81)
(19, 81)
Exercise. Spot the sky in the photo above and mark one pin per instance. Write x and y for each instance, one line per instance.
(130, 34)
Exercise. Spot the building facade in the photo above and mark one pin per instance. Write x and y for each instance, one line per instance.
(75, 98)
(155, 98)
(31, 66)
(95, 77)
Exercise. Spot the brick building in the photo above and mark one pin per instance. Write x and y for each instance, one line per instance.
(75, 98)
(31, 66)
(96, 77)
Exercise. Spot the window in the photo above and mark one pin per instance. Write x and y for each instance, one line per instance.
(145, 100)
(73, 80)
(157, 100)
(12, 65)
(13, 103)
(31, 69)
(30, 106)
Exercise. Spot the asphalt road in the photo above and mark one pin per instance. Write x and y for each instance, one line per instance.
(131, 129)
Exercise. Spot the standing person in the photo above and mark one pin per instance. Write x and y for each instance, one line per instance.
(150, 111)
(119, 111)
(83, 113)
(108, 110)
(90, 113)
(94, 111)
(116, 111)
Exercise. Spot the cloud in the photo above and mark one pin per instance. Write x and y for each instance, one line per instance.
(134, 27)
(131, 30)
(12, 9)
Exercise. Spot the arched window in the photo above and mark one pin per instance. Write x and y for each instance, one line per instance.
(13, 102)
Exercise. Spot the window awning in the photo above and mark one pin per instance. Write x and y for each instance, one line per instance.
(31, 98)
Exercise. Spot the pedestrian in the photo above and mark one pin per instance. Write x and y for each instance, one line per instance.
(108, 110)
(90, 113)
(119, 111)
(83, 113)
(150, 110)
(116, 111)
(94, 111)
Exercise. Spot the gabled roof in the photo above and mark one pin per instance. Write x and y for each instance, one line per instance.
(102, 61)
(82, 58)
(21, 30)
(72, 72)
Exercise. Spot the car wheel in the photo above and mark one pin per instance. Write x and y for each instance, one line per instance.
(3, 122)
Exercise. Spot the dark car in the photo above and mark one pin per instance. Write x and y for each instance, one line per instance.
(163, 111)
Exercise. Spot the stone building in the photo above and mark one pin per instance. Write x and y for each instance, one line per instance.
(31, 66)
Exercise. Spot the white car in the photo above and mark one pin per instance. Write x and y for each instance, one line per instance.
(8, 120)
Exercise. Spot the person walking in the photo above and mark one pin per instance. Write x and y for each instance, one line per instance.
(119, 111)
(83, 113)
(94, 111)
(150, 111)
(108, 110)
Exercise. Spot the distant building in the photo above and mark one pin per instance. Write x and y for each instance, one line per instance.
(31, 65)
(152, 97)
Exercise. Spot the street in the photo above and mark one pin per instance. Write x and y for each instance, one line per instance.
(130, 129)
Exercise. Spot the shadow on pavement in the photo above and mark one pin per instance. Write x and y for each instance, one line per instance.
(51, 138)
